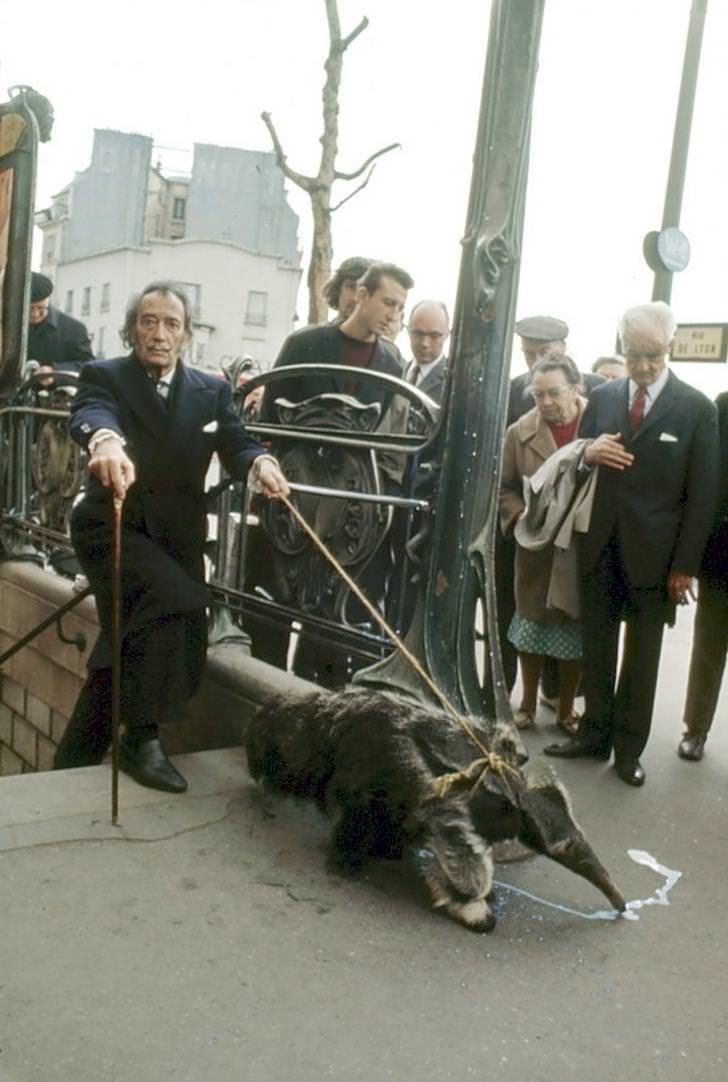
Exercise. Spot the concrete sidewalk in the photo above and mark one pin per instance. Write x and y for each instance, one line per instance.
(205, 940)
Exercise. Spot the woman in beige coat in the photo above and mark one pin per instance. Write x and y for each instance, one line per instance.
(537, 631)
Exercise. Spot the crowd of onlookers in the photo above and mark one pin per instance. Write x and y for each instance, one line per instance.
(613, 501)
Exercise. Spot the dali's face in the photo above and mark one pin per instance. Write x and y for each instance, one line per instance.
(554, 396)
(645, 354)
(38, 311)
(159, 332)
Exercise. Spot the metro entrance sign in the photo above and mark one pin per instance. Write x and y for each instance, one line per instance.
(700, 342)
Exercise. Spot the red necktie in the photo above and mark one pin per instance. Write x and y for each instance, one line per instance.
(637, 409)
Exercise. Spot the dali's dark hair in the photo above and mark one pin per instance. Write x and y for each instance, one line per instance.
(557, 362)
(373, 277)
(132, 310)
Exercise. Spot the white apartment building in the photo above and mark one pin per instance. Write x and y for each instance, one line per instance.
(242, 301)
(225, 233)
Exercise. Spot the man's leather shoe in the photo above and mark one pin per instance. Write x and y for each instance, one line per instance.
(631, 772)
(147, 763)
(691, 748)
(576, 749)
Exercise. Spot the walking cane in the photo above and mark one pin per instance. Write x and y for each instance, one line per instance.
(118, 504)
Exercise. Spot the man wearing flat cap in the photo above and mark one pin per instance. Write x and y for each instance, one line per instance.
(540, 335)
(58, 341)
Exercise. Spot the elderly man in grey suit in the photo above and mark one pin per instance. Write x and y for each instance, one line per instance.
(655, 440)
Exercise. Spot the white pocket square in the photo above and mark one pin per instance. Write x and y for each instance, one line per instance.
(212, 427)
(667, 437)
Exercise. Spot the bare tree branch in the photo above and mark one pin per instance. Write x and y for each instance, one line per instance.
(358, 172)
(307, 183)
(346, 42)
(355, 192)
(319, 187)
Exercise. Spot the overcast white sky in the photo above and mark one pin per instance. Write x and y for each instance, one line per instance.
(606, 96)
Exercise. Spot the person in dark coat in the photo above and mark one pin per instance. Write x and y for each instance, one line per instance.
(710, 631)
(59, 342)
(355, 341)
(655, 440)
(150, 425)
(358, 341)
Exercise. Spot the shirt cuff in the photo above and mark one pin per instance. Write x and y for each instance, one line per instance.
(101, 435)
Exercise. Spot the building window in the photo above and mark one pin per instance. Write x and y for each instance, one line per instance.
(50, 250)
(257, 310)
(194, 296)
(106, 296)
(100, 348)
(69, 302)
(86, 301)
(178, 209)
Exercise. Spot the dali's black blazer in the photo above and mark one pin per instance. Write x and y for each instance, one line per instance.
(662, 506)
(164, 514)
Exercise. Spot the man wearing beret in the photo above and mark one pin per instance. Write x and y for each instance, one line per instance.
(58, 341)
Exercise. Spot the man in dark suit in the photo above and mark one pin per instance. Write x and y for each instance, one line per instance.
(58, 341)
(710, 630)
(656, 443)
(150, 425)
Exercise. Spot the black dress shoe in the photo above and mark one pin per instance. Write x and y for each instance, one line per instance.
(691, 748)
(576, 749)
(631, 772)
(147, 763)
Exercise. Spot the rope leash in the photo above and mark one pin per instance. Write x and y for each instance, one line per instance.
(472, 775)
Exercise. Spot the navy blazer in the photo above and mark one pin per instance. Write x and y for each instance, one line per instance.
(170, 443)
(663, 504)
(323, 345)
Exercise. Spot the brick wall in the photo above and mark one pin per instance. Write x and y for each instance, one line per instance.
(39, 685)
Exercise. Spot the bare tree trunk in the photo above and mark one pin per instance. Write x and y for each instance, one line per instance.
(319, 187)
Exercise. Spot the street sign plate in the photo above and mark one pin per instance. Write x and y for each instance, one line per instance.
(700, 342)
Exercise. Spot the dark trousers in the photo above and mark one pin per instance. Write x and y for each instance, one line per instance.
(504, 559)
(619, 706)
(707, 658)
(161, 666)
